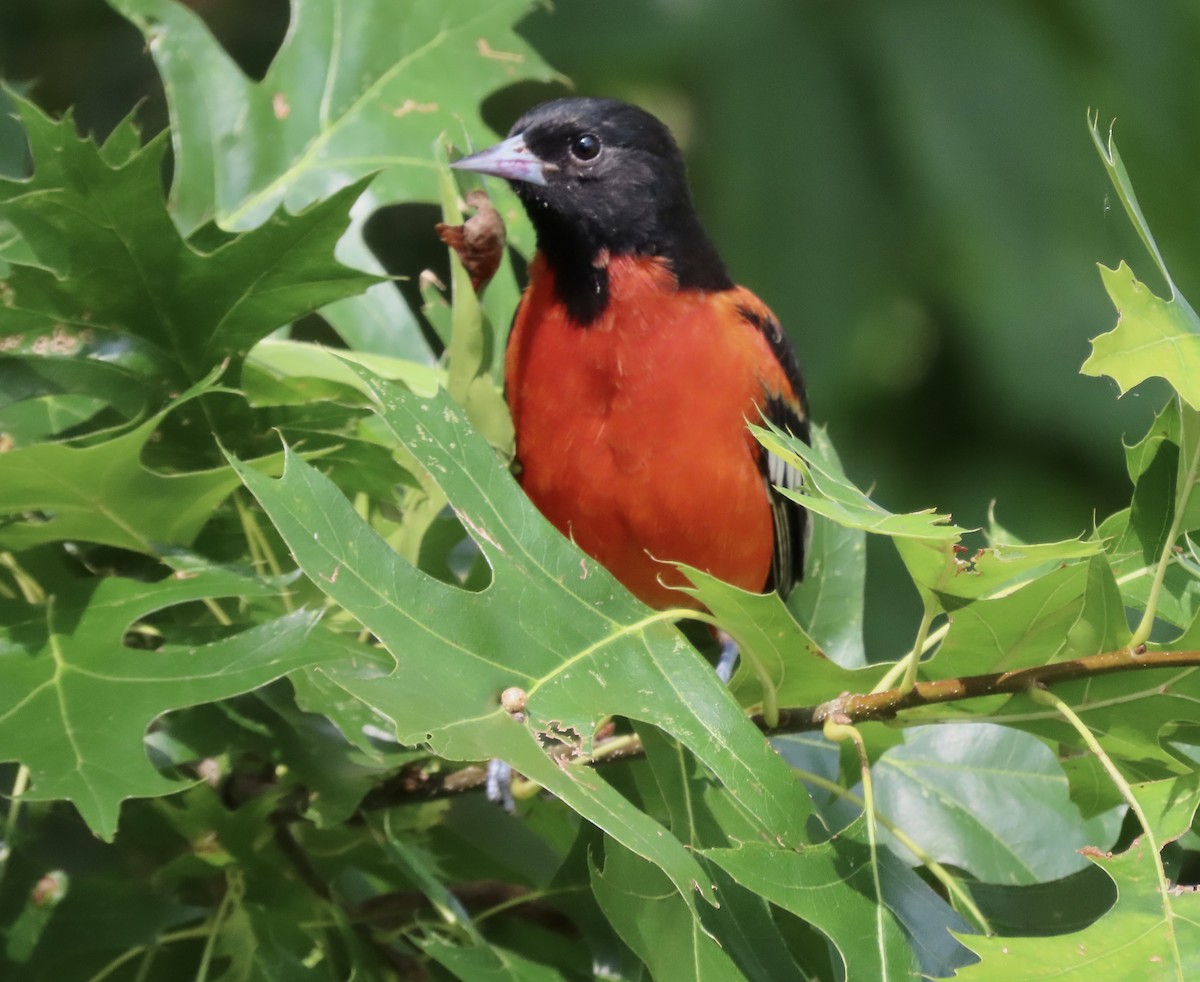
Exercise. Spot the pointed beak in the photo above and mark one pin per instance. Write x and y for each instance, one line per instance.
(511, 160)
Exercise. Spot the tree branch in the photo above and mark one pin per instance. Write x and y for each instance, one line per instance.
(887, 704)
(416, 784)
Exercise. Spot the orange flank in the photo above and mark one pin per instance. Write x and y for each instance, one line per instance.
(631, 431)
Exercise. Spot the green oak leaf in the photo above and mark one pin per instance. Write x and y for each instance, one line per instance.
(77, 701)
(1006, 565)
(111, 266)
(925, 540)
(342, 99)
(829, 602)
(279, 371)
(780, 665)
(951, 789)
(75, 365)
(102, 492)
(1043, 909)
(1163, 466)
(1132, 714)
(12, 148)
(551, 622)
(699, 813)
(1019, 606)
(1102, 624)
(1148, 934)
(829, 885)
(657, 924)
(1169, 805)
(35, 420)
(1020, 630)
(1153, 337)
(829, 492)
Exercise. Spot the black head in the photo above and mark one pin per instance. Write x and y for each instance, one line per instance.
(601, 177)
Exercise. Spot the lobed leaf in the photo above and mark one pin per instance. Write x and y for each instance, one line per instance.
(829, 886)
(342, 99)
(1153, 337)
(551, 622)
(77, 700)
(109, 261)
(1147, 934)
(102, 492)
(780, 664)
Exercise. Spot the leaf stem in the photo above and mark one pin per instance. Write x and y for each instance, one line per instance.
(184, 934)
(618, 746)
(214, 925)
(261, 553)
(1047, 698)
(31, 590)
(15, 803)
(260, 549)
(147, 963)
(906, 668)
(839, 728)
(219, 615)
(936, 869)
(1183, 493)
(520, 900)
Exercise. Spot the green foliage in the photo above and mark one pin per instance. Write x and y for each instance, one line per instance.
(1152, 336)
(78, 698)
(260, 599)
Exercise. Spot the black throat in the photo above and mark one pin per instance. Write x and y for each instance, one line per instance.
(579, 257)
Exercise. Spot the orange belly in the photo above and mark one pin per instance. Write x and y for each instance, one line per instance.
(631, 432)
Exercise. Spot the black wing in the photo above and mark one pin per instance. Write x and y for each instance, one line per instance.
(790, 517)
(788, 411)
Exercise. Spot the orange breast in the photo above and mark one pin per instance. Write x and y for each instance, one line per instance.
(631, 432)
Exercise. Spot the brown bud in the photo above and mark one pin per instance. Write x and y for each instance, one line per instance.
(479, 241)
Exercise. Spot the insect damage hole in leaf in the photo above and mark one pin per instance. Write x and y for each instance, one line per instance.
(581, 647)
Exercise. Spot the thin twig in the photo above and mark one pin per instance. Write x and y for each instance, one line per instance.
(886, 705)
(839, 728)
(418, 784)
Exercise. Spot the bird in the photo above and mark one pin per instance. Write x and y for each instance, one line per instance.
(634, 363)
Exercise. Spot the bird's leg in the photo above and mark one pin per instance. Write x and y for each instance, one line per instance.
(499, 784)
(728, 660)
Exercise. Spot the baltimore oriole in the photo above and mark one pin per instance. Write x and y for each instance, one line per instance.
(635, 363)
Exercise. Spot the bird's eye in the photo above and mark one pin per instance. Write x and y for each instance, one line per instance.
(585, 147)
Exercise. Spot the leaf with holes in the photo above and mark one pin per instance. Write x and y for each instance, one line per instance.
(551, 622)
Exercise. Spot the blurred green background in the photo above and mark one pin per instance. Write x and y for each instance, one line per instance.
(910, 185)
